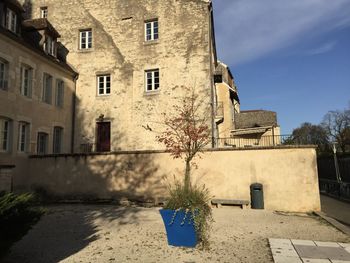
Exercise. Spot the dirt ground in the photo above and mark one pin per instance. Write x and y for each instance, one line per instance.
(90, 233)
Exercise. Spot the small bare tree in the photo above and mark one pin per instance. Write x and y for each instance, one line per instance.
(187, 131)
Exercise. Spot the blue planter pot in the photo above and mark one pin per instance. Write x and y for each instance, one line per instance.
(180, 232)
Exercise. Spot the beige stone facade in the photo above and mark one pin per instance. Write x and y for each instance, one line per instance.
(183, 53)
(36, 92)
(288, 174)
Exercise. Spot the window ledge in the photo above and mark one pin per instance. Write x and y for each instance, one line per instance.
(151, 93)
(87, 50)
(26, 97)
(151, 42)
(103, 96)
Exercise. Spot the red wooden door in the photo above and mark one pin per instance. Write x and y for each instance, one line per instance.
(103, 137)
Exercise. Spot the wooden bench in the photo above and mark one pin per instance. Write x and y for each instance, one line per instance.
(230, 202)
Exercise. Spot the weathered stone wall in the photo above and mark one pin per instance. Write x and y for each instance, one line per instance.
(6, 178)
(250, 119)
(182, 55)
(289, 175)
(41, 116)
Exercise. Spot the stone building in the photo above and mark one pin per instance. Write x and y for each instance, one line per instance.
(135, 58)
(36, 87)
(238, 128)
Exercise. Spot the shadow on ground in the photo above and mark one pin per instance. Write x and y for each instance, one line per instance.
(67, 229)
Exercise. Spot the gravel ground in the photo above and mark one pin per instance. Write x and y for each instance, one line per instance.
(89, 233)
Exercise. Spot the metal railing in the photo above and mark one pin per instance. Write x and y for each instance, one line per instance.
(263, 141)
(87, 147)
(335, 189)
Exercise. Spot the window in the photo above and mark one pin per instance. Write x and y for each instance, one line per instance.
(57, 139)
(85, 39)
(26, 81)
(49, 46)
(11, 20)
(4, 135)
(152, 80)
(42, 143)
(47, 88)
(151, 30)
(3, 74)
(23, 137)
(104, 85)
(43, 12)
(59, 93)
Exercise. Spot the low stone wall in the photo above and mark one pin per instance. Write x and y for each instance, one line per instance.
(288, 174)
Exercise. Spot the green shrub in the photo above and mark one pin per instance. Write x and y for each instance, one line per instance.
(196, 201)
(18, 213)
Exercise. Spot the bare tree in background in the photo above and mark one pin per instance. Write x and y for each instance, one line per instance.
(337, 125)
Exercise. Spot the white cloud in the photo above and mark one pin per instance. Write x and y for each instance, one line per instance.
(324, 48)
(249, 29)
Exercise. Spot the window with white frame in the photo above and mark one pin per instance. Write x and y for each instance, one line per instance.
(43, 12)
(104, 84)
(49, 45)
(152, 80)
(151, 30)
(59, 94)
(5, 130)
(47, 89)
(23, 137)
(57, 139)
(26, 80)
(42, 143)
(85, 39)
(11, 20)
(4, 65)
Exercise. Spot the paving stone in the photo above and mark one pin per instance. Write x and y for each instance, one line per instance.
(340, 261)
(327, 244)
(303, 242)
(284, 252)
(336, 253)
(282, 259)
(277, 241)
(315, 260)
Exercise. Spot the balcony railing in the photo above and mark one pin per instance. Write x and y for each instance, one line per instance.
(263, 141)
(87, 148)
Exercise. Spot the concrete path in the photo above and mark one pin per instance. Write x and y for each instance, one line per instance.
(308, 251)
(336, 209)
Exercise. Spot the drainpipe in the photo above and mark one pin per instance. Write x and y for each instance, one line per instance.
(211, 25)
(73, 112)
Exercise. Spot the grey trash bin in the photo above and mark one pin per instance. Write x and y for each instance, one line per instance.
(257, 196)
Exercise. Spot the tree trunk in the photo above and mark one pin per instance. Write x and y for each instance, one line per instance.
(188, 175)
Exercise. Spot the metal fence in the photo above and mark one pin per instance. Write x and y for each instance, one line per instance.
(263, 141)
(327, 170)
(335, 189)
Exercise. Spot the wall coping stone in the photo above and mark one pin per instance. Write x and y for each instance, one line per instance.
(225, 149)
(7, 166)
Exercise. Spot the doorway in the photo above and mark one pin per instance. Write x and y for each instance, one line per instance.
(103, 143)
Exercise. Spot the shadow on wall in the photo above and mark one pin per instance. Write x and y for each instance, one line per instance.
(95, 176)
(66, 230)
(69, 229)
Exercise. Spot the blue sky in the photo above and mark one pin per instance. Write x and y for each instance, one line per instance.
(289, 56)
